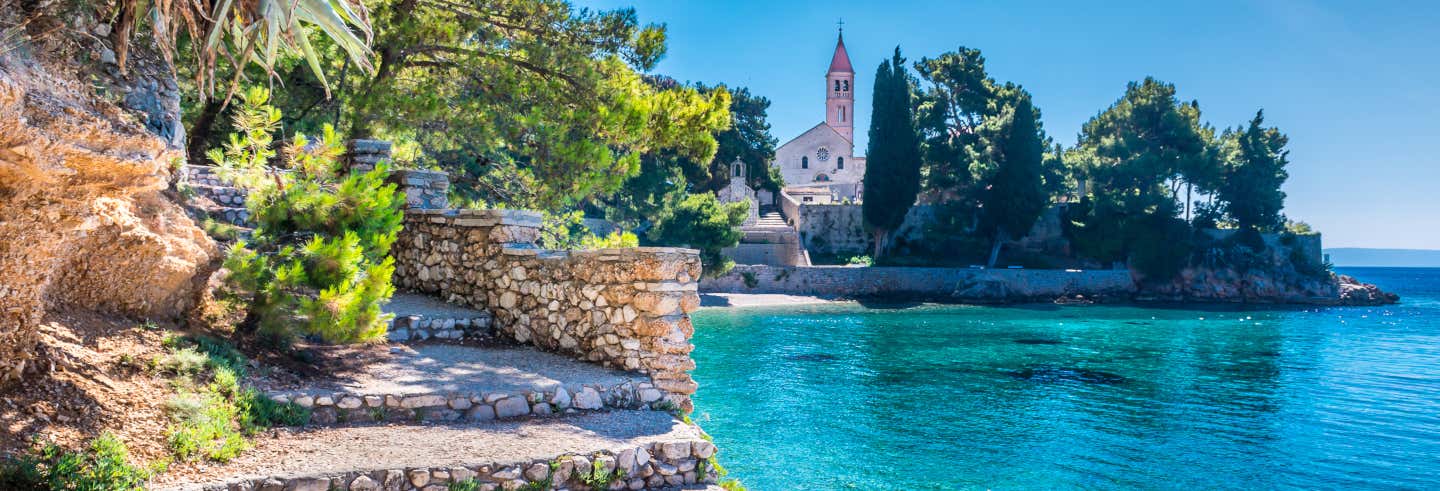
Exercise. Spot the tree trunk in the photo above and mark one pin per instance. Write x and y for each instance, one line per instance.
(995, 249)
(1188, 188)
(203, 128)
(880, 236)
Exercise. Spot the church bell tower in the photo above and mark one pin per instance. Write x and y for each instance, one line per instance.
(839, 91)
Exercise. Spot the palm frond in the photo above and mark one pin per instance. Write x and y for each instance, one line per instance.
(242, 32)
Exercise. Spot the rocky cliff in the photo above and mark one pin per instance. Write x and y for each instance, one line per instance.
(1285, 270)
(84, 221)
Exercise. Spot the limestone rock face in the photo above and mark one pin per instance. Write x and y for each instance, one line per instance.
(83, 220)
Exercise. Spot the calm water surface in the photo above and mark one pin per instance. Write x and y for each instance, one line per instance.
(964, 397)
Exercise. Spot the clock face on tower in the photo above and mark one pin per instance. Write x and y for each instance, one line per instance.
(823, 154)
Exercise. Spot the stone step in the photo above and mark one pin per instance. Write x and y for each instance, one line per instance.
(234, 215)
(447, 382)
(422, 317)
(201, 175)
(644, 449)
(220, 195)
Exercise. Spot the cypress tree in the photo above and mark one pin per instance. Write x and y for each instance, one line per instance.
(1016, 195)
(892, 159)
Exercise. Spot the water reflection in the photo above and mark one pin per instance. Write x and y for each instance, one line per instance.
(1080, 396)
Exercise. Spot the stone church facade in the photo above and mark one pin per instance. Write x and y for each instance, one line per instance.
(820, 165)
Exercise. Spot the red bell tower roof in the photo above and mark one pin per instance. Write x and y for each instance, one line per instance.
(841, 61)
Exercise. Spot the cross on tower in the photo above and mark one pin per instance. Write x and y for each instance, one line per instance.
(841, 23)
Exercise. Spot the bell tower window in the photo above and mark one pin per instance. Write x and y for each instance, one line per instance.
(837, 85)
(846, 84)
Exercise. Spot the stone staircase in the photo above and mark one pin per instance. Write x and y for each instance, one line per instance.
(631, 450)
(770, 240)
(770, 217)
(210, 197)
(450, 403)
(568, 377)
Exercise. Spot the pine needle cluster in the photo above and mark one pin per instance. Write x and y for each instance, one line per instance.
(318, 263)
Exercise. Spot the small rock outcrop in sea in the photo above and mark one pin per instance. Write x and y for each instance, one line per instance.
(1354, 292)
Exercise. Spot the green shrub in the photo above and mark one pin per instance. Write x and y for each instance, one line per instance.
(318, 263)
(861, 260)
(185, 361)
(220, 231)
(212, 419)
(103, 465)
(1298, 227)
(732, 485)
(564, 231)
(703, 222)
(1160, 246)
(466, 485)
(599, 478)
(616, 239)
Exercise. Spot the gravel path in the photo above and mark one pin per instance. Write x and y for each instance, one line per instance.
(444, 368)
(368, 448)
(403, 304)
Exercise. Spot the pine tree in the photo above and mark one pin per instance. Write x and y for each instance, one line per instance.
(892, 165)
(1016, 195)
(1254, 173)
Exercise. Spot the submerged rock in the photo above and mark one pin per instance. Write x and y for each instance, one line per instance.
(814, 357)
(1048, 374)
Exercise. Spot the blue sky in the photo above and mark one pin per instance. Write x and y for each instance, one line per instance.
(1356, 85)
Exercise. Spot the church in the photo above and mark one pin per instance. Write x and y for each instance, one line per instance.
(820, 165)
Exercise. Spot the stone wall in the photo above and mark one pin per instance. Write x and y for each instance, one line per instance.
(622, 308)
(333, 408)
(424, 189)
(777, 254)
(363, 155)
(205, 183)
(927, 283)
(838, 229)
(658, 465)
(1307, 245)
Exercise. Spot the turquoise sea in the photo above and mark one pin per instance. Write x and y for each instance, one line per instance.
(1060, 397)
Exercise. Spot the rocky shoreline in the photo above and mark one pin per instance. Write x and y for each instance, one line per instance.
(1342, 290)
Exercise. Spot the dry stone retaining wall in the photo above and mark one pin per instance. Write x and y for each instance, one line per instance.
(423, 188)
(421, 328)
(330, 408)
(658, 465)
(622, 308)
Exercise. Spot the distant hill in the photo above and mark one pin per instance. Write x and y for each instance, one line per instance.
(1357, 256)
